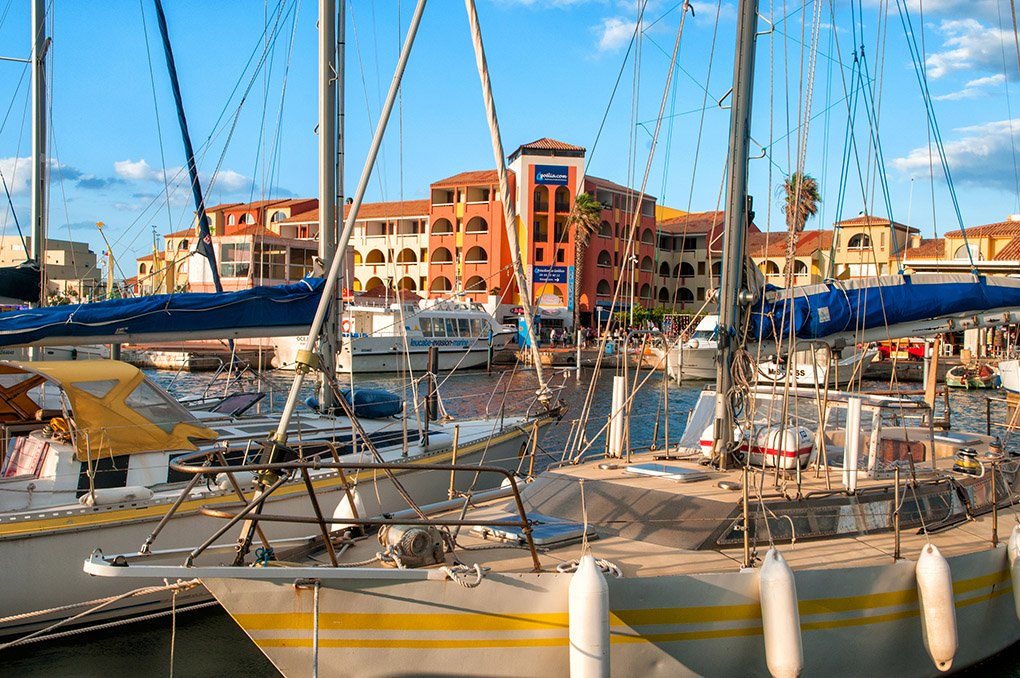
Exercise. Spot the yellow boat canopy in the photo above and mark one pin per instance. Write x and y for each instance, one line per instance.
(115, 408)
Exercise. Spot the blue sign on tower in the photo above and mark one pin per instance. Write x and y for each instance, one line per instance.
(551, 175)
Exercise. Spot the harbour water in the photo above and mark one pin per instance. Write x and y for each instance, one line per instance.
(208, 643)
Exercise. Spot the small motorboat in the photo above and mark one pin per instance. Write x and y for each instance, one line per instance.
(973, 376)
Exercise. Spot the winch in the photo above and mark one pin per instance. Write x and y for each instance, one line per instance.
(966, 461)
(413, 545)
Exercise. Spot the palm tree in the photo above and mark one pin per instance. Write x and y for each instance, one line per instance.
(585, 217)
(800, 199)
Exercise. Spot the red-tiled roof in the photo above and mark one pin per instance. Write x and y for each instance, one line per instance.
(709, 223)
(929, 248)
(772, 244)
(869, 220)
(547, 144)
(250, 229)
(1011, 252)
(1008, 228)
(471, 178)
(371, 210)
(179, 234)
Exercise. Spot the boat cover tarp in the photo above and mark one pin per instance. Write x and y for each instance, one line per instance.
(115, 409)
(839, 306)
(21, 282)
(262, 311)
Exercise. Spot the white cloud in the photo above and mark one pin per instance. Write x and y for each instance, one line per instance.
(615, 33)
(974, 88)
(982, 155)
(226, 181)
(137, 171)
(969, 45)
(986, 9)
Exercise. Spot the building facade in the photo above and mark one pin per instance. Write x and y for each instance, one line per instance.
(71, 269)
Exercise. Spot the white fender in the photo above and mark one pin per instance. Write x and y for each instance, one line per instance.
(1013, 551)
(115, 495)
(344, 510)
(780, 617)
(588, 597)
(243, 478)
(938, 608)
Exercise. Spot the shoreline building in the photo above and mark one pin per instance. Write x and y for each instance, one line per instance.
(70, 269)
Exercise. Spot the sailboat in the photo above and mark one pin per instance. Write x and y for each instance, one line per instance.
(790, 533)
(97, 441)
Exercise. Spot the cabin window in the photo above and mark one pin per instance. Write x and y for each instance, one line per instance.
(478, 327)
(154, 406)
(465, 327)
(451, 327)
(438, 329)
(25, 457)
(106, 472)
(99, 389)
(426, 326)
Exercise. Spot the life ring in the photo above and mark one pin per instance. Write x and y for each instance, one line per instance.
(345, 326)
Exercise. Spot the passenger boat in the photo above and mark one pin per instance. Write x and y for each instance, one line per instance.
(380, 336)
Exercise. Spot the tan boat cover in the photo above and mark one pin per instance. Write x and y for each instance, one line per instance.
(115, 408)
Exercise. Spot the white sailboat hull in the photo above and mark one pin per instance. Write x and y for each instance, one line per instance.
(853, 621)
(42, 551)
(388, 354)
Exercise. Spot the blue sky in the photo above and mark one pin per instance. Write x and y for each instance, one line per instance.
(554, 64)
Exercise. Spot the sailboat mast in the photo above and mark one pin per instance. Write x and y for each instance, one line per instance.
(328, 146)
(735, 225)
(39, 45)
(205, 246)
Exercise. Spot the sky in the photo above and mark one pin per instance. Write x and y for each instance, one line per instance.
(572, 70)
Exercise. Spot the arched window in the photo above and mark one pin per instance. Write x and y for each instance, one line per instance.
(407, 283)
(182, 245)
(684, 295)
(407, 256)
(476, 255)
(356, 285)
(278, 215)
(549, 294)
(247, 219)
(686, 270)
(373, 283)
(769, 268)
(230, 220)
(717, 268)
(605, 230)
(475, 284)
(663, 294)
(860, 241)
(646, 291)
(562, 199)
(647, 236)
(442, 256)
(357, 257)
(605, 260)
(375, 257)
(800, 268)
(477, 225)
(142, 269)
(441, 284)
(603, 288)
(442, 227)
(541, 199)
(664, 269)
(967, 252)
(646, 264)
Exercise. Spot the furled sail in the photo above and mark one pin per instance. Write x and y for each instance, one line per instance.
(846, 312)
(264, 311)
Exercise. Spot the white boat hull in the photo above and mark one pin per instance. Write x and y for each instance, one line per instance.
(388, 354)
(692, 363)
(854, 622)
(41, 555)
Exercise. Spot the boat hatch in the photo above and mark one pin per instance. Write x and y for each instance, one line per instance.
(668, 471)
(545, 531)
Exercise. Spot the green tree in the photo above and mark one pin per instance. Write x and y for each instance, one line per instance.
(800, 201)
(585, 217)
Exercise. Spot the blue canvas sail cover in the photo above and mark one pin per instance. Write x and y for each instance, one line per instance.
(870, 308)
(265, 311)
